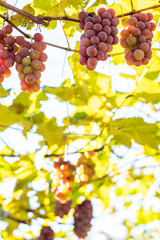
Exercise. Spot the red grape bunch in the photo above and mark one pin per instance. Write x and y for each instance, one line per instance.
(99, 35)
(62, 209)
(46, 234)
(137, 37)
(84, 169)
(30, 62)
(82, 218)
(8, 48)
(63, 179)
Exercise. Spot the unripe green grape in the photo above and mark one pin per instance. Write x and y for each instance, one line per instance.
(26, 61)
(27, 70)
(131, 40)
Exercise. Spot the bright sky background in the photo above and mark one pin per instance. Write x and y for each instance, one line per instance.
(57, 70)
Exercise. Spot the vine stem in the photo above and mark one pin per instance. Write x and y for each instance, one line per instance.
(41, 19)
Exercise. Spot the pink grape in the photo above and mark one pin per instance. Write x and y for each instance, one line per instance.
(82, 51)
(96, 19)
(8, 29)
(97, 27)
(38, 37)
(91, 51)
(30, 79)
(85, 42)
(83, 60)
(92, 62)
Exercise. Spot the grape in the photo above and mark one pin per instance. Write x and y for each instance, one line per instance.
(28, 69)
(85, 42)
(1, 47)
(114, 30)
(18, 58)
(115, 40)
(2, 70)
(24, 52)
(1, 61)
(137, 63)
(83, 60)
(10, 48)
(38, 37)
(147, 25)
(88, 26)
(101, 11)
(42, 57)
(150, 17)
(148, 54)
(8, 63)
(131, 40)
(123, 42)
(8, 29)
(102, 46)
(146, 33)
(109, 39)
(30, 79)
(11, 55)
(7, 73)
(144, 47)
(141, 39)
(126, 50)
(62, 209)
(82, 51)
(138, 54)
(43, 46)
(105, 57)
(82, 15)
(136, 16)
(37, 74)
(94, 40)
(88, 19)
(109, 48)
(19, 40)
(42, 68)
(97, 27)
(3, 54)
(9, 40)
(111, 11)
(36, 64)
(46, 234)
(2, 34)
(96, 19)
(26, 61)
(92, 62)
(107, 29)
(105, 22)
(21, 76)
(132, 21)
(1, 78)
(100, 55)
(15, 48)
(153, 26)
(149, 43)
(81, 25)
(90, 33)
(130, 28)
(125, 34)
(140, 25)
(37, 46)
(24, 85)
(150, 38)
(34, 54)
(129, 57)
(35, 87)
(91, 51)
(106, 15)
(136, 32)
(134, 48)
(82, 36)
(114, 22)
(27, 44)
(143, 17)
(102, 36)
(19, 67)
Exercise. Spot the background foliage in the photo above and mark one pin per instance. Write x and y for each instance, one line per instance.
(115, 112)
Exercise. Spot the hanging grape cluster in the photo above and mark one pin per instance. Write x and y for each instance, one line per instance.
(137, 37)
(62, 209)
(99, 35)
(82, 218)
(46, 233)
(63, 178)
(29, 62)
(84, 169)
(8, 48)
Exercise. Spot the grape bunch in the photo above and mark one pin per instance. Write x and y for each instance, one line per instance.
(137, 37)
(46, 233)
(84, 169)
(82, 218)
(62, 209)
(99, 35)
(30, 62)
(63, 178)
(8, 48)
